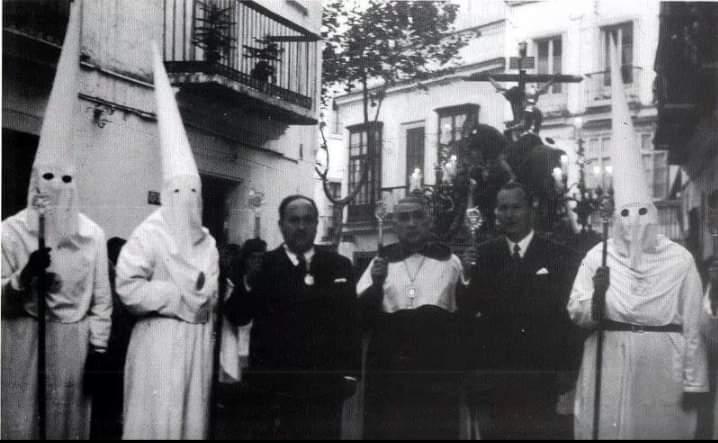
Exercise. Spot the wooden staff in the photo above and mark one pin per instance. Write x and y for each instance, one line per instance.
(474, 218)
(380, 214)
(39, 203)
(216, 352)
(598, 313)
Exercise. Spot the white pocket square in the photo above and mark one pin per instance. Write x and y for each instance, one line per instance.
(340, 280)
(542, 271)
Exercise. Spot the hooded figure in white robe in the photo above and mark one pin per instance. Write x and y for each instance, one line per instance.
(78, 300)
(167, 275)
(654, 355)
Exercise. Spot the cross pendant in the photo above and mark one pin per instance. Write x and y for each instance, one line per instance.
(412, 294)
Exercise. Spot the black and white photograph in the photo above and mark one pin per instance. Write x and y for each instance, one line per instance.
(359, 219)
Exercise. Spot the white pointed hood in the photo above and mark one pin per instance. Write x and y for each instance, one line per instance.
(177, 158)
(181, 187)
(53, 170)
(629, 178)
(636, 218)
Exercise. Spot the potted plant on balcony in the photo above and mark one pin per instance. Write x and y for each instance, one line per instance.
(212, 31)
(268, 55)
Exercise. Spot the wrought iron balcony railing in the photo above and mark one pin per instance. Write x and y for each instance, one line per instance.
(244, 42)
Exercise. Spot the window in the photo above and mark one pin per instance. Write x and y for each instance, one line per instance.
(414, 151)
(335, 189)
(599, 172)
(452, 122)
(362, 207)
(548, 53)
(593, 147)
(598, 163)
(655, 164)
(623, 34)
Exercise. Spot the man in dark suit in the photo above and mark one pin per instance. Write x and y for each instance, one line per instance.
(523, 343)
(304, 355)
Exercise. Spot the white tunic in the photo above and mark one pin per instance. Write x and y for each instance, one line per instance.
(169, 360)
(645, 374)
(433, 283)
(78, 317)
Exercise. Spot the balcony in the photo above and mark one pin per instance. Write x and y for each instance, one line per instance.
(598, 86)
(240, 54)
(33, 30)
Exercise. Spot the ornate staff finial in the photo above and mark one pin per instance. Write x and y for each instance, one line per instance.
(40, 202)
(380, 214)
(255, 200)
(606, 205)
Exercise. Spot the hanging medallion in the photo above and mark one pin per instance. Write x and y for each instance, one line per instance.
(309, 280)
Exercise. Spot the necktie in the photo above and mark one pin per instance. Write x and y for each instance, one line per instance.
(304, 268)
(302, 262)
(515, 270)
(517, 253)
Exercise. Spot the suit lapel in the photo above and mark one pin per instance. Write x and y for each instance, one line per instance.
(283, 259)
(536, 254)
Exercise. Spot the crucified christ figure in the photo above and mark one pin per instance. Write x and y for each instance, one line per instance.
(527, 115)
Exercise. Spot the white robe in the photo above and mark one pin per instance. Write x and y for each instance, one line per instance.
(79, 317)
(645, 374)
(169, 360)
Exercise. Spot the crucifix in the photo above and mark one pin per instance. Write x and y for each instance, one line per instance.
(526, 114)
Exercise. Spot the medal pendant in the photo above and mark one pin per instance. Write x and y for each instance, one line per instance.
(309, 280)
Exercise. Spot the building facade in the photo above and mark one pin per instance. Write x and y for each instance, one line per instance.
(562, 38)
(573, 38)
(687, 95)
(414, 121)
(246, 74)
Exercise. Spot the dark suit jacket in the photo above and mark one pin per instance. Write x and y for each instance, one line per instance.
(304, 339)
(523, 323)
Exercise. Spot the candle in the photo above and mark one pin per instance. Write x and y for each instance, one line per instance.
(415, 180)
(450, 168)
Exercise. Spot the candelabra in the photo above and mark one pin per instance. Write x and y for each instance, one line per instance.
(587, 200)
(448, 198)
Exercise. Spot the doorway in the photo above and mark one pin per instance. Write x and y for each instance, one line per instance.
(18, 154)
(216, 193)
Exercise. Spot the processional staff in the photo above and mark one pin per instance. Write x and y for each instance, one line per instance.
(39, 204)
(599, 309)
